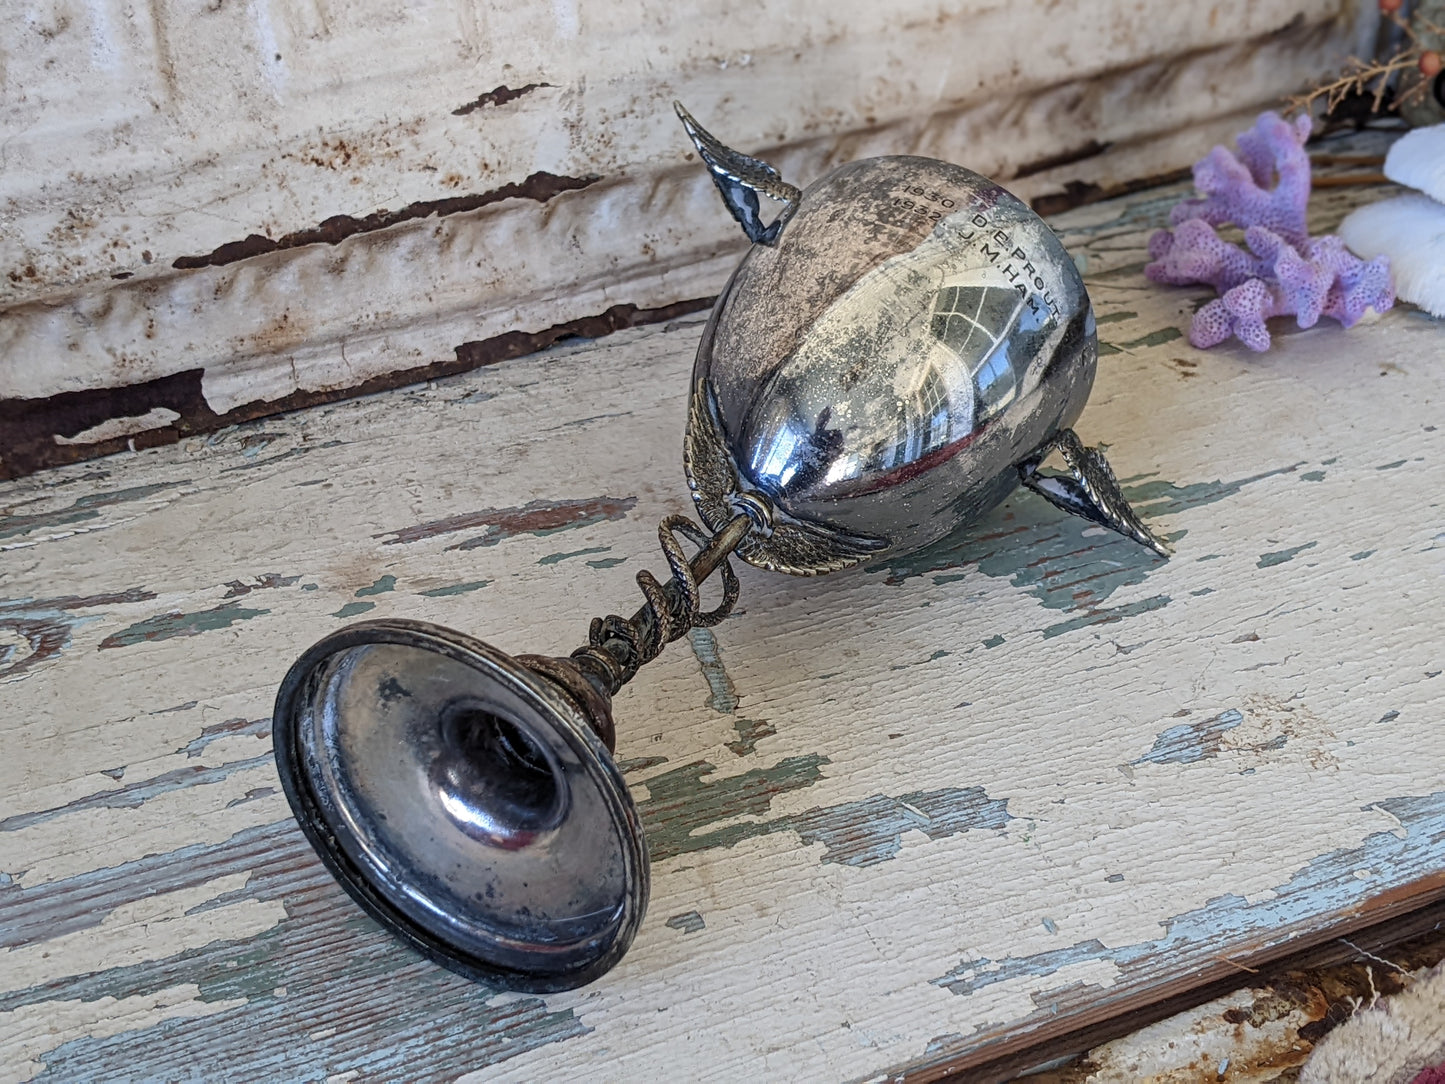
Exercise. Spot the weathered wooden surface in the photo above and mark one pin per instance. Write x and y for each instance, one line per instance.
(1267, 1029)
(172, 181)
(901, 817)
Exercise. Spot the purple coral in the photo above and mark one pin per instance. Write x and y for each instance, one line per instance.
(1265, 191)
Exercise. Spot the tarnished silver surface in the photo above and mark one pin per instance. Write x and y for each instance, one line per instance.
(464, 800)
(879, 373)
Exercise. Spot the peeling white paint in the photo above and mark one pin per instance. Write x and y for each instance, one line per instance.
(122, 427)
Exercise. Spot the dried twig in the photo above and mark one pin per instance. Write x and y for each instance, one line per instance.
(1347, 159)
(1341, 180)
(1374, 77)
(1234, 963)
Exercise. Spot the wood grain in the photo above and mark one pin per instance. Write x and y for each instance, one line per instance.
(441, 182)
(901, 818)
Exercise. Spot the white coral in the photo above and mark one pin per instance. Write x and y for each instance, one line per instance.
(1410, 230)
(1417, 160)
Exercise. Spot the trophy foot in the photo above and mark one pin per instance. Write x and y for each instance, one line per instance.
(741, 178)
(1089, 489)
(467, 800)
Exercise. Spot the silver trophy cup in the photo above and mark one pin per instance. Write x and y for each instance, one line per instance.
(903, 345)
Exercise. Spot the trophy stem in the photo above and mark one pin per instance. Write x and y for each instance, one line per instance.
(617, 647)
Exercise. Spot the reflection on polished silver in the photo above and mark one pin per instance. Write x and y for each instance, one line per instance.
(891, 366)
(901, 347)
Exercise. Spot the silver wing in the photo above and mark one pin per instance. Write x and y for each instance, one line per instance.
(1089, 489)
(740, 178)
(794, 546)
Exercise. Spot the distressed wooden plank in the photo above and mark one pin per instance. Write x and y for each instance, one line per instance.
(523, 164)
(901, 818)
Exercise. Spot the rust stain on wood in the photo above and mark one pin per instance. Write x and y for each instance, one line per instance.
(45, 638)
(535, 517)
(85, 602)
(500, 96)
(540, 186)
(45, 625)
(266, 581)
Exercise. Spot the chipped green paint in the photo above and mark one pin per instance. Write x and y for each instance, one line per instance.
(995, 640)
(1160, 497)
(1394, 465)
(861, 833)
(722, 696)
(454, 589)
(135, 794)
(1313, 476)
(1107, 616)
(285, 1017)
(1046, 553)
(1037, 548)
(554, 558)
(1279, 557)
(687, 922)
(607, 562)
(81, 509)
(1326, 885)
(170, 625)
(1154, 338)
(1362, 555)
(1115, 317)
(1105, 349)
(681, 805)
(380, 587)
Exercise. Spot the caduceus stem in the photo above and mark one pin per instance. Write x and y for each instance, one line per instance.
(617, 647)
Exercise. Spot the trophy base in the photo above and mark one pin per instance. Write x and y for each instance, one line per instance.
(464, 798)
